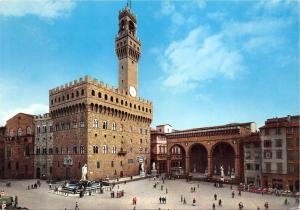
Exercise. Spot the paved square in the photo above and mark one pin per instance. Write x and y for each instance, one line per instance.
(147, 197)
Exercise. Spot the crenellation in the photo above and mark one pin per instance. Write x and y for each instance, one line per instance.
(95, 82)
(87, 78)
(102, 103)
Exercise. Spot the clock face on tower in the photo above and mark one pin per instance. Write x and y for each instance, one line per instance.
(132, 91)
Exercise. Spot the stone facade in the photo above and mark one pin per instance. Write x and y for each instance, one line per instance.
(18, 147)
(159, 147)
(280, 153)
(2, 154)
(252, 159)
(43, 147)
(106, 127)
(201, 152)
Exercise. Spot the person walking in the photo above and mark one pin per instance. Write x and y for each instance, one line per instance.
(215, 196)
(184, 201)
(214, 206)
(160, 199)
(76, 206)
(194, 202)
(166, 190)
(232, 194)
(220, 202)
(266, 205)
(240, 193)
(16, 201)
(286, 201)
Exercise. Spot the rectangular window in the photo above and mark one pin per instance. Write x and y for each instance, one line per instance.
(248, 166)
(257, 167)
(98, 164)
(279, 167)
(267, 143)
(278, 131)
(291, 168)
(27, 151)
(268, 167)
(248, 155)
(278, 142)
(289, 142)
(279, 154)
(266, 131)
(257, 155)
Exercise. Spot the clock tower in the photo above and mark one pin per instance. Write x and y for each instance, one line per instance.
(128, 50)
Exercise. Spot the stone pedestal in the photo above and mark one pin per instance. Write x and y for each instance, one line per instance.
(142, 173)
(154, 172)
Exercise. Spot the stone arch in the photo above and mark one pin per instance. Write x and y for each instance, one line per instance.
(223, 154)
(177, 161)
(198, 158)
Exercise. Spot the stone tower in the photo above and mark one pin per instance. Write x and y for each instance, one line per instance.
(128, 50)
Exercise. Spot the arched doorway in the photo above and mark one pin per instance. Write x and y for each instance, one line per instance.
(177, 166)
(223, 155)
(38, 173)
(198, 159)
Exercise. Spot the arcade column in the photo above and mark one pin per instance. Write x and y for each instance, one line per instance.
(209, 166)
(237, 169)
(168, 165)
(187, 165)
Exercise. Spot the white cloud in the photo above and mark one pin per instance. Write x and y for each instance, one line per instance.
(199, 57)
(201, 3)
(218, 16)
(33, 109)
(42, 8)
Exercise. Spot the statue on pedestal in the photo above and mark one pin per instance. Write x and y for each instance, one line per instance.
(142, 168)
(84, 171)
(153, 166)
(222, 171)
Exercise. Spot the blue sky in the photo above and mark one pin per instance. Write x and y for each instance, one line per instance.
(203, 62)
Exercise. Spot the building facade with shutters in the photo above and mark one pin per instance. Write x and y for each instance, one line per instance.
(43, 147)
(252, 159)
(280, 153)
(159, 150)
(105, 127)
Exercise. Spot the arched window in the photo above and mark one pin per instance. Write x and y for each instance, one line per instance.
(95, 149)
(19, 131)
(114, 126)
(81, 150)
(105, 149)
(114, 149)
(28, 130)
(105, 96)
(95, 123)
(105, 124)
(112, 99)
(99, 95)
(93, 93)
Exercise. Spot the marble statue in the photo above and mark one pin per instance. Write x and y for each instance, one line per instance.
(142, 168)
(222, 171)
(84, 171)
(153, 166)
